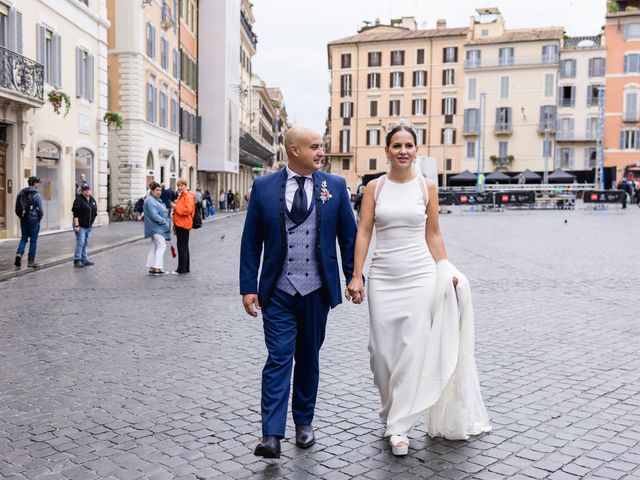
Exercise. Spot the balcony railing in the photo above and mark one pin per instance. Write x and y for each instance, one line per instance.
(631, 117)
(503, 129)
(511, 61)
(470, 129)
(21, 74)
(248, 29)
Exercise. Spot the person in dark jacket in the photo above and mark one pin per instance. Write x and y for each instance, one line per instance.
(167, 197)
(30, 217)
(85, 210)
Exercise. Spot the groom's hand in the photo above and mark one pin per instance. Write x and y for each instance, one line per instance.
(251, 304)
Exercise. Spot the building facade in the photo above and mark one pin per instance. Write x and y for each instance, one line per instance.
(622, 118)
(281, 125)
(388, 72)
(581, 76)
(55, 53)
(510, 94)
(144, 88)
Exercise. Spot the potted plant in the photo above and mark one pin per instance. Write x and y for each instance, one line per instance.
(511, 158)
(113, 118)
(493, 158)
(56, 97)
(614, 7)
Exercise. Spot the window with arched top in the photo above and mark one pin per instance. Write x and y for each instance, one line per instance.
(172, 165)
(149, 161)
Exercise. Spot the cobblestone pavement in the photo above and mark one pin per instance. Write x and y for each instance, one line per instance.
(110, 373)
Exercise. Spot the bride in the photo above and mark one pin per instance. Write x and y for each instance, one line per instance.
(421, 338)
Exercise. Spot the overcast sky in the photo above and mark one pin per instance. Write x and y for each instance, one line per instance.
(293, 36)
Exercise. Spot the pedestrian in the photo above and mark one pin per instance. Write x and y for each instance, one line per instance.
(85, 211)
(167, 197)
(230, 198)
(210, 208)
(236, 202)
(183, 211)
(223, 200)
(30, 211)
(156, 227)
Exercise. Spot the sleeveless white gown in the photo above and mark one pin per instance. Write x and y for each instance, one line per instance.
(406, 345)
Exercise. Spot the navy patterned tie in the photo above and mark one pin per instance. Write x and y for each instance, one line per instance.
(299, 207)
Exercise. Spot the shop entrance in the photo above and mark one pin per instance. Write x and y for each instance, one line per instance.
(48, 169)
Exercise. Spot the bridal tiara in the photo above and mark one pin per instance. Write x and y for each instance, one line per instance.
(402, 123)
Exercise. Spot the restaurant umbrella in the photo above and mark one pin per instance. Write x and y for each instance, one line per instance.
(529, 176)
(497, 177)
(465, 178)
(560, 176)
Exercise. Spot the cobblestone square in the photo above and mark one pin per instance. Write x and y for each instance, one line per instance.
(110, 373)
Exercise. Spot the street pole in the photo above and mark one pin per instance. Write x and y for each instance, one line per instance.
(545, 178)
(480, 129)
(599, 180)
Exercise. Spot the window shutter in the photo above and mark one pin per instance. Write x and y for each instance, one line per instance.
(79, 82)
(153, 42)
(18, 30)
(90, 78)
(455, 106)
(390, 107)
(41, 47)
(622, 139)
(402, 79)
(444, 77)
(442, 135)
(443, 106)
(11, 30)
(498, 119)
(571, 128)
(455, 54)
(413, 107)
(591, 67)
(57, 60)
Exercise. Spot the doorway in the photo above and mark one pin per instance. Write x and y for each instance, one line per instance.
(84, 168)
(3, 192)
(47, 168)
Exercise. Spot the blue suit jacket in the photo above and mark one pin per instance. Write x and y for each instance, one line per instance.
(265, 228)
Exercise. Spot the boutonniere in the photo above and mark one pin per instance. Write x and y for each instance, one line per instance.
(325, 194)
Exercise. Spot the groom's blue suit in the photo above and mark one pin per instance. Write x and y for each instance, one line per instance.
(299, 283)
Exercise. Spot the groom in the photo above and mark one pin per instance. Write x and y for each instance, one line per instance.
(295, 215)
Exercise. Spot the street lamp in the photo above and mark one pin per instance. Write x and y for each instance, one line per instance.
(545, 178)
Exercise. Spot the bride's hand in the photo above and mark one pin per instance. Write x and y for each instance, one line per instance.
(355, 291)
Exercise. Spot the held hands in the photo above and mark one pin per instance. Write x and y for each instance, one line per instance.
(251, 304)
(355, 290)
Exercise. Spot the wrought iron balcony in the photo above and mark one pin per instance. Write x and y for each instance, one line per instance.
(23, 77)
(248, 29)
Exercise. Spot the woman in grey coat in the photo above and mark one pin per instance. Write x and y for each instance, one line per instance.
(156, 227)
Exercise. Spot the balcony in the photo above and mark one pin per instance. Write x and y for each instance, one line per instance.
(631, 117)
(547, 127)
(503, 129)
(248, 29)
(511, 62)
(502, 162)
(583, 42)
(470, 130)
(21, 79)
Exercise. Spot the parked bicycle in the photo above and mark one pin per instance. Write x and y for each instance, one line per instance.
(120, 213)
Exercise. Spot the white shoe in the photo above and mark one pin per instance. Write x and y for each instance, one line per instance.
(399, 444)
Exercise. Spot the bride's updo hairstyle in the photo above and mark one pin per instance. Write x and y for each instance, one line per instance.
(400, 126)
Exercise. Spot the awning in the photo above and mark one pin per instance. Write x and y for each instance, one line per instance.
(465, 177)
(497, 177)
(252, 153)
(560, 176)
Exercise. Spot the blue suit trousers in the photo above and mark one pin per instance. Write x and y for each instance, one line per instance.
(294, 329)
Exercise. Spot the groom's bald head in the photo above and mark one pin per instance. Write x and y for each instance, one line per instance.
(305, 149)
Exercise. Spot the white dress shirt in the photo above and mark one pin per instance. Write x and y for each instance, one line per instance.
(292, 185)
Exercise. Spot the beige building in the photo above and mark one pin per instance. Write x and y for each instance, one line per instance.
(581, 74)
(510, 94)
(388, 72)
(281, 125)
(144, 88)
(55, 49)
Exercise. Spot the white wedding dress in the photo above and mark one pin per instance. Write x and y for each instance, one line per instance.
(421, 346)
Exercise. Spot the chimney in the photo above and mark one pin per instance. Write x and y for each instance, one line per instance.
(409, 23)
(442, 23)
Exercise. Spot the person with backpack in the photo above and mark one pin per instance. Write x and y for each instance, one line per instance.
(85, 211)
(230, 198)
(30, 211)
(185, 218)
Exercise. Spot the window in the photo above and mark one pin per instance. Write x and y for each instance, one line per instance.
(471, 120)
(548, 118)
(346, 109)
(593, 95)
(591, 129)
(503, 149)
(630, 139)
(345, 60)
(151, 101)
(506, 56)
(345, 85)
(188, 71)
(86, 2)
(567, 96)
(420, 56)
(346, 164)
(550, 54)
(419, 107)
(568, 68)
(547, 148)
(164, 53)
(471, 149)
(375, 59)
(84, 74)
(394, 108)
(345, 142)
(163, 109)
(632, 63)
(449, 106)
(49, 55)
(549, 84)
(473, 59)
(420, 78)
(565, 129)
(4, 25)
(151, 40)
(373, 137)
(503, 119)
(421, 136)
(484, 32)
(175, 113)
(373, 80)
(373, 108)
(448, 136)
(472, 89)
(396, 79)
(564, 158)
(449, 164)
(373, 164)
(448, 76)
(590, 157)
(450, 55)
(597, 66)
(631, 106)
(176, 64)
(632, 31)
(397, 57)
(504, 87)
